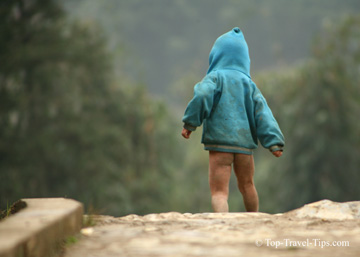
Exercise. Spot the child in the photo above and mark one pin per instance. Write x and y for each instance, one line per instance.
(234, 115)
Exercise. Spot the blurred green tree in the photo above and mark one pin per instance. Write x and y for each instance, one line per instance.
(318, 108)
(67, 128)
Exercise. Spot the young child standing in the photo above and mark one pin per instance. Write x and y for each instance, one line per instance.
(234, 115)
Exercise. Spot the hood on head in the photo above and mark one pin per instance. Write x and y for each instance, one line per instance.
(230, 51)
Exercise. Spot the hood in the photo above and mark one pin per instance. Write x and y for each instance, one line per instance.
(230, 51)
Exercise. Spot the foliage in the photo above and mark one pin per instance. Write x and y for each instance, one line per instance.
(318, 108)
(12, 209)
(66, 127)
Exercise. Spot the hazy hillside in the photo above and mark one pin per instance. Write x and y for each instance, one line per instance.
(163, 41)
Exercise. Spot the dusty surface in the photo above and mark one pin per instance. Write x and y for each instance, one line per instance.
(320, 229)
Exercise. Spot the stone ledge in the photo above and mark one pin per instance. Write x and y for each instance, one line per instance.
(39, 229)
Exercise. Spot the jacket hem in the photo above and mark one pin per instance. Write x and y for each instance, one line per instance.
(275, 148)
(189, 127)
(228, 149)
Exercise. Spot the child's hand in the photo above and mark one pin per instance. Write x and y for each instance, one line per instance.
(186, 133)
(277, 153)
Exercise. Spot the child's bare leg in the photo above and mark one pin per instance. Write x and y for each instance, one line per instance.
(244, 170)
(219, 177)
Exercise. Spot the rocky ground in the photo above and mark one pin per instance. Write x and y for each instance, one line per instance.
(323, 228)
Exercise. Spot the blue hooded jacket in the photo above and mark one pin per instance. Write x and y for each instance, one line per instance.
(227, 102)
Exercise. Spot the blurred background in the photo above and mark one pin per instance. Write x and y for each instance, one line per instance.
(92, 94)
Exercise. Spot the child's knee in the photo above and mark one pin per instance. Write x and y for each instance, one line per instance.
(246, 186)
(219, 195)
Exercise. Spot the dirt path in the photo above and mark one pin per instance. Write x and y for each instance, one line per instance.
(230, 234)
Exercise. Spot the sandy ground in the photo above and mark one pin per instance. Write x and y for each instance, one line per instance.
(304, 232)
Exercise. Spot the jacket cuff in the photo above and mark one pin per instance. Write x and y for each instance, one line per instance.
(189, 127)
(275, 148)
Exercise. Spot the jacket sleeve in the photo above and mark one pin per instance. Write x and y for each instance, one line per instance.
(267, 128)
(200, 106)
